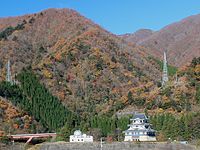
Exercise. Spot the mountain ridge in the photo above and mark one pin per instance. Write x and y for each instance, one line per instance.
(70, 65)
(137, 36)
(74, 57)
(179, 40)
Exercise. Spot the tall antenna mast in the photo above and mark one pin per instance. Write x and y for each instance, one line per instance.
(8, 76)
(165, 71)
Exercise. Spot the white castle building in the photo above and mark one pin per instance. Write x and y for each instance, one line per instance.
(79, 137)
(139, 129)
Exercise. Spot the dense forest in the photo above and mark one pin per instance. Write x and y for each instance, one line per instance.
(168, 126)
(186, 125)
(34, 98)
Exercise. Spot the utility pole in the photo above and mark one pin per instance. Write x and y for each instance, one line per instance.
(101, 144)
(165, 71)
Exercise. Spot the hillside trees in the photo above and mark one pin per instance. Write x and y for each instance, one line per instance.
(137, 101)
(185, 127)
(98, 126)
(34, 98)
(9, 30)
(45, 107)
(37, 100)
(109, 125)
(171, 69)
(198, 93)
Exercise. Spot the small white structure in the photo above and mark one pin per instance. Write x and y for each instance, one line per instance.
(79, 137)
(140, 129)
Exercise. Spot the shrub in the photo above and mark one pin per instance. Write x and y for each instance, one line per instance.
(5, 140)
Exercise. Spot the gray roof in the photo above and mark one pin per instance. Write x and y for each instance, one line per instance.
(140, 116)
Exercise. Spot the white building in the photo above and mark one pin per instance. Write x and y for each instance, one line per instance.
(139, 129)
(79, 137)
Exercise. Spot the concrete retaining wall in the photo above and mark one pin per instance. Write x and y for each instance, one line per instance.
(114, 146)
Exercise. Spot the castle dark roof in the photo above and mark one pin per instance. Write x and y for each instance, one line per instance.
(140, 116)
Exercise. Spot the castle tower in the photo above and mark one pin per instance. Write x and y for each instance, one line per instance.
(8, 75)
(140, 129)
(165, 71)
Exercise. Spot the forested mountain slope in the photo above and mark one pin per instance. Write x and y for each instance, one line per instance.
(15, 120)
(78, 75)
(77, 60)
(180, 40)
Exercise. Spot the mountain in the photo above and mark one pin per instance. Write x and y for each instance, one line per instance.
(77, 60)
(71, 61)
(180, 40)
(138, 36)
